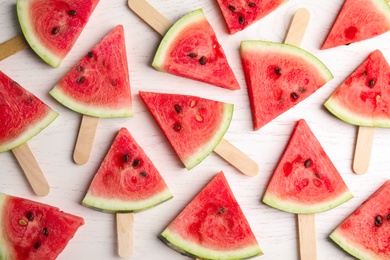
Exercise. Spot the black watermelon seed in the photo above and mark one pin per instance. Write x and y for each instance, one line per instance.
(251, 4)
(388, 217)
(55, 30)
(37, 245)
(307, 163)
(371, 83)
(317, 175)
(241, 19)
(90, 54)
(72, 12)
(192, 55)
(144, 174)
(45, 232)
(177, 127)
(232, 8)
(278, 71)
(126, 157)
(203, 60)
(30, 216)
(81, 79)
(136, 163)
(294, 95)
(378, 221)
(221, 210)
(177, 108)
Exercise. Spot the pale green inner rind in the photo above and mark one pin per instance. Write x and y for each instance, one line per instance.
(302, 208)
(180, 244)
(101, 112)
(357, 251)
(4, 248)
(208, 147)
(117, 205)
(22, 7)
(33, 130)
(350, 117)
(255, 45)
(170, 37)
(384, 7)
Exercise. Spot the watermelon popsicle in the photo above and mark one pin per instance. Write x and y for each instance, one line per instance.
(98, 86)
(126, 182)
(22, 117)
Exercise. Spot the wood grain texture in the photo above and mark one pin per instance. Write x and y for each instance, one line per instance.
(12, 46)
(307, 236)
(85, 139)
(362, 154)
(125, 234)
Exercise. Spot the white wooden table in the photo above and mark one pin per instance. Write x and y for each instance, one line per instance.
(275, 230)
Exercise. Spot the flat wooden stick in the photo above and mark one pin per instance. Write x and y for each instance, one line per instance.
(298, 27)
(84, 143)
(31, 169)
(307, 237)
(236, 158)
(150, 15)
(12, 46)
(362, 155)
(125, 233)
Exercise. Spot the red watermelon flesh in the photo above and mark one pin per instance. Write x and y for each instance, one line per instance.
(52, 27)
(127, 180)
(279, 76)
(364, 97)
(305, 180)
(193, 125)
(365, 233)
(31, 230)
(358, 20)
(98, 85)
(212, 226)
(239, 14)
(191, 49)
(22, 115)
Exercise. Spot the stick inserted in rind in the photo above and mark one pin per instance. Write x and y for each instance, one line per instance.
(362, 154)
(31, 169)
(12, 46)
(86, 136)
(125, 233)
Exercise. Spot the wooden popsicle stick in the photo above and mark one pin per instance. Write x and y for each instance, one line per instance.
(307, 237)
(31, 169)
(12, 46)
(306, 222)
(236, 158)
(125, 233)
(84, 143)
(362, 155)
(224, 149)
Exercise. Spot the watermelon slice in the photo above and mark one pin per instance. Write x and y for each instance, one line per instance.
(212, 226)
(193, 125)
(305, 180)
(31, 230)
(279, 76)
(22, 115)
(365, 233)
(190, 49)
(98, 85)
(239, 14)
(52, 27)
(364, 97)
(358, 20)
(127, 180)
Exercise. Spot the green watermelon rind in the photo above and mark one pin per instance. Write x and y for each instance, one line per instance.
(4, 249)
(355, 250)
(22, 7)
(348, 116)
(256, 45)
(171, 35)
(32, 131)
(302, 208)
(180, 244)
(117, 206)
(208, 147)
(88, 109)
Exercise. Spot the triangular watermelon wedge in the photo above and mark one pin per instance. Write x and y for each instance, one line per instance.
(364, 97)
(193, 125)
(365, 233)
(22, 115)
(127, 180)
(239, 14)
(358, 20)
(191, 49)
(52, 27)
(31, 230)
(305, 180)
(278, 77)
(98, 85)
(212, 226)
